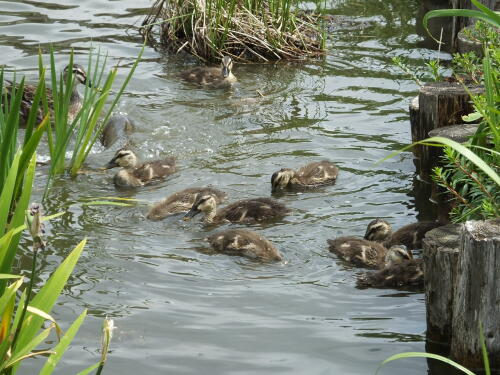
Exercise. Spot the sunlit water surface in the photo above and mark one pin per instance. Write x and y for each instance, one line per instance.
(181, 309)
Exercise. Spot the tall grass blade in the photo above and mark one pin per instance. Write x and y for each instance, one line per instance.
(60, 348)
(425, 355)
(48, 294)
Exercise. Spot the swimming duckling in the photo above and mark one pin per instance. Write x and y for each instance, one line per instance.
(244, 243)
(212, 76)
(407, 273)
(182, 201)
(410, 235)
(75, 100)
(245, 211)
(134, 175)
(370, 254)
(311, 175)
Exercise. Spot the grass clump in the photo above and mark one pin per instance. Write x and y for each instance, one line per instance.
(248, 30)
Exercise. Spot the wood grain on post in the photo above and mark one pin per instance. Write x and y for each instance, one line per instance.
(459, 23)
(477, 295)
(439, 104)
(440, 253)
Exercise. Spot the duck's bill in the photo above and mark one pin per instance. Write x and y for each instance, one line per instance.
(225, 72)
(190, 214)
(111, 164)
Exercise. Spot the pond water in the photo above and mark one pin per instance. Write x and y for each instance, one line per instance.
(180, 309)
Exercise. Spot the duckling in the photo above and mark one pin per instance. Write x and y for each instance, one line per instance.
(244, 243)
(370, 254)
(311, 175)
(75, 100)
(212, 76)
(182, 201)
(134, 175)
(243, 211)
(410, 235)
(118, 128)
(407, 273)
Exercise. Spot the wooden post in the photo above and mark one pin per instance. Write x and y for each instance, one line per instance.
(460, 22)
(439, 104)
(477, 295)
(440, 253)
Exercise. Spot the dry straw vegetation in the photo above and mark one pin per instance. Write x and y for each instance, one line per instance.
(247, 30)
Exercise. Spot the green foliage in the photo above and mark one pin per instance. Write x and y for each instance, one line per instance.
(484, 13)
(86, 126)
(468, 65)
(483, 33)
(475, 193)
(259, 30)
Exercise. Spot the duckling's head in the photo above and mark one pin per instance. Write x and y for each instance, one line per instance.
(203, 203)
(227, 66)
(378, 230)
(281, 178)
(79, 74)
(124, 158)
(396, 254)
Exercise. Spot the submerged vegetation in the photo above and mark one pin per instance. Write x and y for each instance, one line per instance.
(249, 30)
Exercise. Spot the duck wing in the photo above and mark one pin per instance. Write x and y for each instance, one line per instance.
(408, 273)
(318, 173)
(411, 235)
(202, 75)
(358, 251)
(252, 210)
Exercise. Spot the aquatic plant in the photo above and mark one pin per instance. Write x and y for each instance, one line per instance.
(86, 127)
(252, 30)
(483, 13)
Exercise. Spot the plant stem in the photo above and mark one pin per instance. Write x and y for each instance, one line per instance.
(28, 295)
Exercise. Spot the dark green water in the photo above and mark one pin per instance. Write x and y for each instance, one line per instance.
(182, 310)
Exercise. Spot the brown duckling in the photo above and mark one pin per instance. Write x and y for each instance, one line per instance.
(407, 273)
(243, 211)
(370, 254)
(244, 243)
(311, 175)
(214, 77)
(182, 201)
(133, 174)
(75, 100)
(410, 235)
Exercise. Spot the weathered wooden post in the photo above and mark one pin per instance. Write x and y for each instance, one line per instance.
(440, 253)
(477, 295)
(439, 104)
(459, 23)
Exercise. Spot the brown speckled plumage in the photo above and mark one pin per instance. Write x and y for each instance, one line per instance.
(311, 175)
(182, 201)
(244, 243)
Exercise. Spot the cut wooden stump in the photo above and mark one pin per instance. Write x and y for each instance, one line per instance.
(459, 133)
(464, 44)
(440, 253)
(477, 295)
(439, 104)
